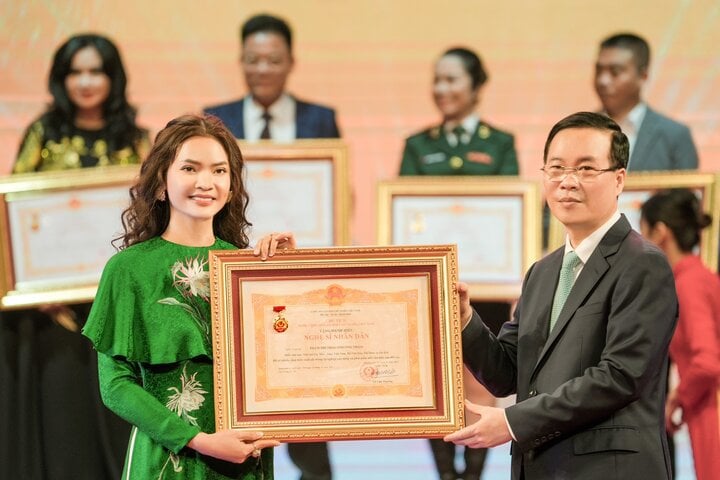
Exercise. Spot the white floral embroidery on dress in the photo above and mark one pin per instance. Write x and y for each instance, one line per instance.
(191, 278)
(188, 398)
(193, 283)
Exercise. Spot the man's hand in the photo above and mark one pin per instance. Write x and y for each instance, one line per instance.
(491, 430)
(269, 244)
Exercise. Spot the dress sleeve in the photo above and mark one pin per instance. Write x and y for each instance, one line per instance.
(121, 391)
(29, 155)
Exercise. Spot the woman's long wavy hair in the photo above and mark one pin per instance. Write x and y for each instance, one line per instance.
(121, 130)
(148, 217)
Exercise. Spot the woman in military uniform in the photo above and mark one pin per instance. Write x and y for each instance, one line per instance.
(462, 144)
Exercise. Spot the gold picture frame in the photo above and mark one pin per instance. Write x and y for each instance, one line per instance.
(337, 343)
(301, 187)
(495, 221)
(55, 233)
(640, 185)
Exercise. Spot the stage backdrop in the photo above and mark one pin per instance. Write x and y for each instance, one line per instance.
(372, 60)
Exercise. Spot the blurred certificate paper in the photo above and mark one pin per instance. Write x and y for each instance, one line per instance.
(338, 343)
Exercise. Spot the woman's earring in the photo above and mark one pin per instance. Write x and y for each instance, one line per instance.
(161, 197)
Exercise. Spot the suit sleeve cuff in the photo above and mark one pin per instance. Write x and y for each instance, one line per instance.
(512, 434)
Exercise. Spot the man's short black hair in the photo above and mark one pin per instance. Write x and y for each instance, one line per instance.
(619, 146)
(635, 43)
(266, 23)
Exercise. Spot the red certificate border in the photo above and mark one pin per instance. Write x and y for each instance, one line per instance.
(438, 263)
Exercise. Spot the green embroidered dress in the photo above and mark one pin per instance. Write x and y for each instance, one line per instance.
(150, 324)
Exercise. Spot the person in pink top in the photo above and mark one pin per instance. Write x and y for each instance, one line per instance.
(673, 220)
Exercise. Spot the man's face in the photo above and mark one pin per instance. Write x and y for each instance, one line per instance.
(583, 206)
(266, 61)
(618, 81)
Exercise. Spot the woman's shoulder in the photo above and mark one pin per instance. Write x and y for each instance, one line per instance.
(130, 257)
(432, 134)
(487, 130)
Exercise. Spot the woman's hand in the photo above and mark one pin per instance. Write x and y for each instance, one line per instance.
(231, 445)
(672, 405)
(269, 244)
(62, 315)
(463, 291)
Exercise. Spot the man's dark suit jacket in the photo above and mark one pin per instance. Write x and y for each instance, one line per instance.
(311, 120)
(663, 144)
(591, 395)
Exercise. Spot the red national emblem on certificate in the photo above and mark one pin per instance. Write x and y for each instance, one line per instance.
(335, 294)
(280, 324)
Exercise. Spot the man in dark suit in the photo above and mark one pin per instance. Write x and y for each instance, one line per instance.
(656, 141)
(586, 350)
(268, 111)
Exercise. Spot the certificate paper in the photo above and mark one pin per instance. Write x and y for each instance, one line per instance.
(487, 230)
(338, 343)
(350, 343)
(56, 230)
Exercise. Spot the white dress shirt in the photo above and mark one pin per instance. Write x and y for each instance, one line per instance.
(282, 123)
(469, 124)
(631, 124)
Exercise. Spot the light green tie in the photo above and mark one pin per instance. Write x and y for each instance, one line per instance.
(567, 278)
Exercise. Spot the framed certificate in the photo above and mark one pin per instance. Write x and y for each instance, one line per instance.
(301, 187)
(641, 185)
(337, 343)
(494, 221)
(56, 233)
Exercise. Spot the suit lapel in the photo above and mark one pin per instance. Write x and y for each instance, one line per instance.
(641, 150)
(591, 274)
(301, 124)
(235, 122)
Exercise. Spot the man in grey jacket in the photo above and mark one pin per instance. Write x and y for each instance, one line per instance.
(656, 141)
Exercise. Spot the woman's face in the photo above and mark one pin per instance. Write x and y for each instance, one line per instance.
(198, 181)
(87, 84)
(452, 89)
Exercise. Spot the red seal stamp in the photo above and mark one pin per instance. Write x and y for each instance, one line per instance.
(368, 372)
(280, 324)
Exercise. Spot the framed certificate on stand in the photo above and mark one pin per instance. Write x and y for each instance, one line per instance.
(495, 222)
(337, 343)
(56, 232)
(642, 185)
(300, 187)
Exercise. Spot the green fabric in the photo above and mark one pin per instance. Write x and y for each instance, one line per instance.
(150, 323)
(489, 152)
(565, 283)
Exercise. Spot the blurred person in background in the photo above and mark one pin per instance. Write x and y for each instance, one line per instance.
(57, 427)
(462, 144)
(268, 111)
(656, 141)
(673, 220)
